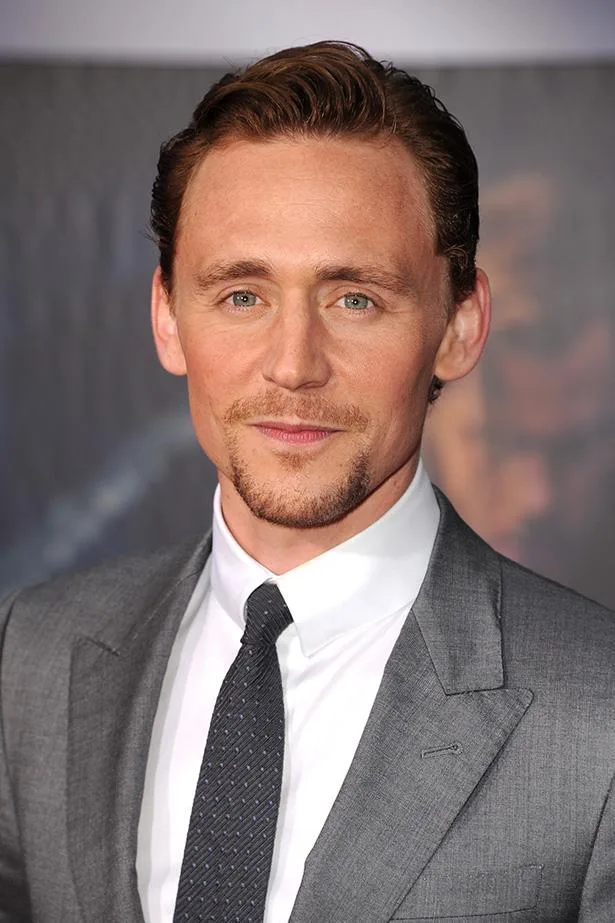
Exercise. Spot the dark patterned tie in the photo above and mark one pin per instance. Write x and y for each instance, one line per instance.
(227, 860)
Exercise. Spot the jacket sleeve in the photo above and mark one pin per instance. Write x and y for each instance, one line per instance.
(598, 897)
(14, 901)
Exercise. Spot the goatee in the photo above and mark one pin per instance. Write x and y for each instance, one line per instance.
(294, 508)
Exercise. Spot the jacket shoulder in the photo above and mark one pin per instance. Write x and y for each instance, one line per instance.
(550, 634)
(563, 632)
(88, 601)
(561, 602)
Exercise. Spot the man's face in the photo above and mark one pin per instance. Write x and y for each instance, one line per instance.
(308, 310)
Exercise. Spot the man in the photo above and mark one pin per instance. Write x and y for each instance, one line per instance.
(343, 706)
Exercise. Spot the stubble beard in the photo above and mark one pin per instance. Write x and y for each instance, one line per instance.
(294, 508)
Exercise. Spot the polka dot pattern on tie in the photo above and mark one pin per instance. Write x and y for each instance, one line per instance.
(229, 847)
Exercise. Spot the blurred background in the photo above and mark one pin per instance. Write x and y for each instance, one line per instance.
(97, 453)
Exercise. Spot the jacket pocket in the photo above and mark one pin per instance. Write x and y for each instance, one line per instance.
(471, 892)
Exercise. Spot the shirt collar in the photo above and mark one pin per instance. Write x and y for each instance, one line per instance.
(368, 577)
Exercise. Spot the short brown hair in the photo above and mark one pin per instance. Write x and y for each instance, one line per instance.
(331, 89)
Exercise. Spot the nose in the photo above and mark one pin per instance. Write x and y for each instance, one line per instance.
(296, 349)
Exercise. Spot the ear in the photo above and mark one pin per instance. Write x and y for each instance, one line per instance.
(164, 326)
(465, 335)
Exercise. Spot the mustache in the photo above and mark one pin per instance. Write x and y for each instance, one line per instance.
(314, 409)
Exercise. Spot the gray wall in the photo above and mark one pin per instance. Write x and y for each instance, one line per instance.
(208, 31)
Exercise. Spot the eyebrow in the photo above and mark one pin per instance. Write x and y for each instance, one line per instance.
(219, 273)
(368, 275)
(231, 272)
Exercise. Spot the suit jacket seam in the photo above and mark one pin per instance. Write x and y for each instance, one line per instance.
(8, 603)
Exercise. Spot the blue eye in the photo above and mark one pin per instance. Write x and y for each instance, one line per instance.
(356, 302)
(243, 299)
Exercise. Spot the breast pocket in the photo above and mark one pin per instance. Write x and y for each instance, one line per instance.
(474, 893)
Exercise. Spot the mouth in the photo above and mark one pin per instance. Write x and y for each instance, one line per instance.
(300, 433)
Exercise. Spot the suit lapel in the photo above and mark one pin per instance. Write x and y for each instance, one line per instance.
(440, 718)
(114, 687)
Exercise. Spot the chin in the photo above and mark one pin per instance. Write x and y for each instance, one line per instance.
(296, 507)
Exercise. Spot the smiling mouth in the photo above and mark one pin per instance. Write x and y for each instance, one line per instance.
(295, 433)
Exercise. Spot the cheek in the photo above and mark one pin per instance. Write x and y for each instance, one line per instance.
(208, 400)
(214, 371)
(209, 392)
(397, 393)
(399, 382)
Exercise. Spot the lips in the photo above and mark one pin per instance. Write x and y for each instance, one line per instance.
(294, 433)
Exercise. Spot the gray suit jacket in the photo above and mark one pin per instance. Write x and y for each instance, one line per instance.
(480, 789)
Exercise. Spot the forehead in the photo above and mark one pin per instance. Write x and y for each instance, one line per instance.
(308, 194)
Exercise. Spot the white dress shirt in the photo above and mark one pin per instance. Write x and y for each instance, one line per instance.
(348, 607)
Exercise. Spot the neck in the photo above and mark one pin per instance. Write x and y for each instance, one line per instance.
(281, 548)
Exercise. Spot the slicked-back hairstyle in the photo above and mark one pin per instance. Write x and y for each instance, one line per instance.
(331, 89)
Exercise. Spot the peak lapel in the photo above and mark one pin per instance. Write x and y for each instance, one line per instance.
(114, 688)
(439, 720)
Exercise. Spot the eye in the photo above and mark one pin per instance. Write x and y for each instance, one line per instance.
(355, 301)
(243, 299)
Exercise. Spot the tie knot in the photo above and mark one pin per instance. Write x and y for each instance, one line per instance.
(267, 615)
